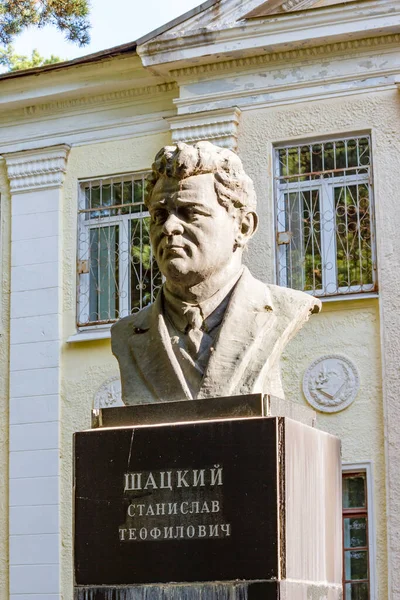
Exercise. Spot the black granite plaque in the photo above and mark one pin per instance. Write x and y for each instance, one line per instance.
(180, 503)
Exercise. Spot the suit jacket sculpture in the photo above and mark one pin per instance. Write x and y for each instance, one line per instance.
(258, 321)
(255, 329)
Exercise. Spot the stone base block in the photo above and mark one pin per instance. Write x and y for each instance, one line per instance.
(246, 509)
(254, 590)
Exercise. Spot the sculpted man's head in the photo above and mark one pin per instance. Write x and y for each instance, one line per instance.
(202, 208)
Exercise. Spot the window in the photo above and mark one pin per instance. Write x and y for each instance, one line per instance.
(356, 559)
(324, 211)
(117, 274)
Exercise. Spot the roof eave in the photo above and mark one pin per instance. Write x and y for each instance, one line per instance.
(129, 48)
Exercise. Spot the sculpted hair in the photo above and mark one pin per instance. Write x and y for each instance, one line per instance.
(234, 189)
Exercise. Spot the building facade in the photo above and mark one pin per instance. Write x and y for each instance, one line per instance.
(306, 91)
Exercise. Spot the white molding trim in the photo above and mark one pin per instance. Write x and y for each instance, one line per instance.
(90, 334)
(287, 30)
(290, 5)
(290, 93)
(86, 129)
(37, 169)
(218, 126)
(117, 98)
(367, 466)
(248, 63)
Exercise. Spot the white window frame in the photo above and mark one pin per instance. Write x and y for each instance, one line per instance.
(367, 468)
(99, 330)
(326, 188)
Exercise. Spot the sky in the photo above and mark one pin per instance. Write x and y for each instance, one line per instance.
(113, 22)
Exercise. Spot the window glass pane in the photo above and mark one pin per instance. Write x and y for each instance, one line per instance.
(106, 195)
(283, 162)
(356, 591)
(86, 191)
(117, 193)
(354, 491)
(364, 152)
(352, 154)
(94, 201)
(103, 297)
(127, 192)
(356, 564)
(353, 236)
(355, 532)
(305, 161)
(317, 158)
(138, 191)
(126, 197)
(293, 158)
(340, 157)
(329, 157)
(303, 253)
(145, 278)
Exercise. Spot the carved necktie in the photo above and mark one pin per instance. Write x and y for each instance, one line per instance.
(195, 332)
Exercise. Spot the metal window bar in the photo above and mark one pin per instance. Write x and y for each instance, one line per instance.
(117, 273)
(333, 251)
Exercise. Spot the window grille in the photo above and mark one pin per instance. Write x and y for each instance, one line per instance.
(324, 217)
(117, 274)
(356, 576)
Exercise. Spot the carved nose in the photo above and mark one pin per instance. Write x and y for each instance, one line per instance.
(172, 225)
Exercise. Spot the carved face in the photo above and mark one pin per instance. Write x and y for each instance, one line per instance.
(192, 235)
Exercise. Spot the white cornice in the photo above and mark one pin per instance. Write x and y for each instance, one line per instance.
(249, 63)
(295, 4)
(80, 129)
(339, 70)
(288, 30)
(285, 95)
(218, 126)
(37, 169)
(99, 79)
(111, 98)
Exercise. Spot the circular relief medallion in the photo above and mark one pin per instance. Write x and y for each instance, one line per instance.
(331, 383)
(109, 394)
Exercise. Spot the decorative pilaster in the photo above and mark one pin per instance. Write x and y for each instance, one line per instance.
(37, 169)
(36, 179)
(217, 126)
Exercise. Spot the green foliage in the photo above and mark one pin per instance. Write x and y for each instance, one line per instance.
(17, 62)
(69, 16)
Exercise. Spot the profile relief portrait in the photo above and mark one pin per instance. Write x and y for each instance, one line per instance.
(213, 330)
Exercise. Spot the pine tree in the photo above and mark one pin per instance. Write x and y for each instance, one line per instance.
(16, 62)
(70, 16)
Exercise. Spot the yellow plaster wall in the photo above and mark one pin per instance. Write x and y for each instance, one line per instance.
(5, 236)
(86, 365)
(350, 328)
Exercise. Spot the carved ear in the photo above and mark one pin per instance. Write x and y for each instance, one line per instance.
(247, 227)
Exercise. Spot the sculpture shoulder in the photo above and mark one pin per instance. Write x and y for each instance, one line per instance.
(293, 302)
(137, 323)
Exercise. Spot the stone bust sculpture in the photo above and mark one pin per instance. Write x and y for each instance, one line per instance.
(214, 330)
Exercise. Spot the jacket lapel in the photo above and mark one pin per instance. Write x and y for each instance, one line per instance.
(249, 316)
(152, 351)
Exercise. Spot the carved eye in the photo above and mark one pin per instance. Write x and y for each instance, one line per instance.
(138, 330)
(188, 213)
(159, 216)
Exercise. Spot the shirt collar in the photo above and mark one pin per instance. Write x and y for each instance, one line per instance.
(174, 306)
